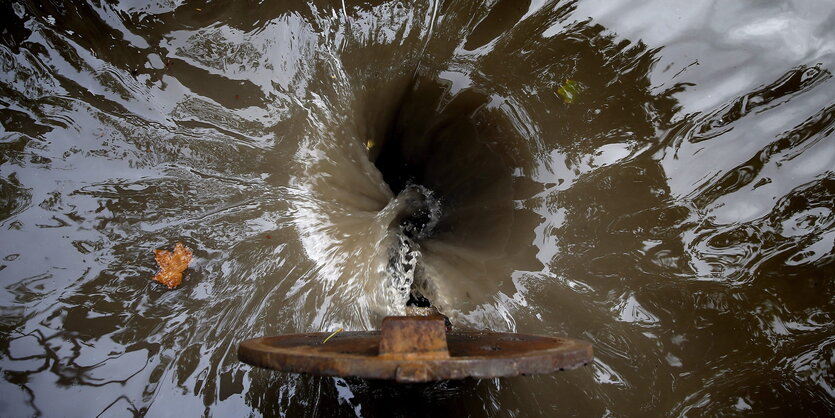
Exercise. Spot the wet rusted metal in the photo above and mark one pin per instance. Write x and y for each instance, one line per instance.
(416, 349)
(414, 337)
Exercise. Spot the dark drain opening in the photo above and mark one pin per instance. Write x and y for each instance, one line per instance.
(462, 153)
(441, 144)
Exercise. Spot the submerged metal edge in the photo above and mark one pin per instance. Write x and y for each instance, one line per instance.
(572, 354)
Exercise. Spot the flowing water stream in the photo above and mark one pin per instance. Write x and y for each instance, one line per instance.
(655, 177)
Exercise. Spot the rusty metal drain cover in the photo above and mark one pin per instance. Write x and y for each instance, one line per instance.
(416, 349)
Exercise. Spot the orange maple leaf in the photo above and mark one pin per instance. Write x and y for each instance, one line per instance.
(172, 265)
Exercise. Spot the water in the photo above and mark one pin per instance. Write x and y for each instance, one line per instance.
(324, 158)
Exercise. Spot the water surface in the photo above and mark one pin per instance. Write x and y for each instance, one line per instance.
(326, 159)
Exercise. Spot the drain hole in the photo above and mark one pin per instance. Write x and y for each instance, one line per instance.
(450, 160)
(417, 299)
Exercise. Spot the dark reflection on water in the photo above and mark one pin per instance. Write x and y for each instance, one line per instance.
(677, 212)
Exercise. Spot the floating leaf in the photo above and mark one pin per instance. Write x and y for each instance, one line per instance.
(569, 90)
(172, 265)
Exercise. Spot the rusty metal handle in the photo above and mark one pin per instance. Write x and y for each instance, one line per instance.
(422, 337)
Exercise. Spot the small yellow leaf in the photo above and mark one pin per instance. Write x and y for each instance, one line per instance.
(332, 334)
(369, 144)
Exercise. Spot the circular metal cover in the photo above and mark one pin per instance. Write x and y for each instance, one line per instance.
(467, 354)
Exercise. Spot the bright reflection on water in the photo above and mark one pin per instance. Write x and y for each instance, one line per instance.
(678, 212)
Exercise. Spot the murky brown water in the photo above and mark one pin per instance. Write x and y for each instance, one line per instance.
(678, 212)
